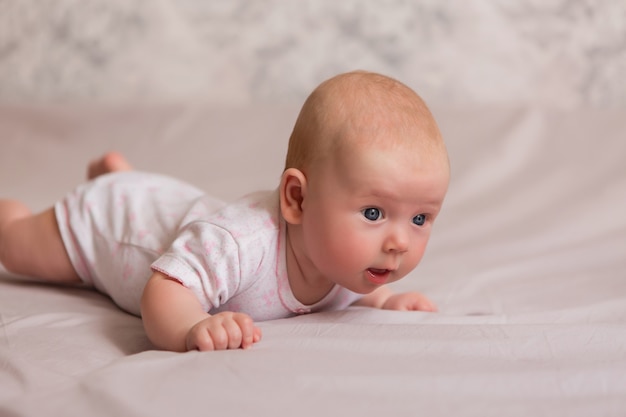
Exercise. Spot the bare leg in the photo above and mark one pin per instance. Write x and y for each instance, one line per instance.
(31, 245)
(109, 162)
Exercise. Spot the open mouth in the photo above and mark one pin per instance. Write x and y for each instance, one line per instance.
(378, 276)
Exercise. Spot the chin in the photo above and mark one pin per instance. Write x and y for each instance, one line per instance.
(364, 290)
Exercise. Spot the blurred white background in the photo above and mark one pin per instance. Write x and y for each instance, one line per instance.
(557, 53)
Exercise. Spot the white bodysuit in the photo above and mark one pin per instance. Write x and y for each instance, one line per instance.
(121, 226)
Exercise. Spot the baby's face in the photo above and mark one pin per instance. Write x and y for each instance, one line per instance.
(368, 214)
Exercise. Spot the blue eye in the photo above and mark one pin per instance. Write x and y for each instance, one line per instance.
(419, 220)
(371, 214)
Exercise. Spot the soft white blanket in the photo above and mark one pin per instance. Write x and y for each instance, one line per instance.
(527, 264)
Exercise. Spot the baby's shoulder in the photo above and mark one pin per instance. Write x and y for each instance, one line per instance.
(252, 213)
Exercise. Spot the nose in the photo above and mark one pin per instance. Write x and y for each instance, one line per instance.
(396, 241)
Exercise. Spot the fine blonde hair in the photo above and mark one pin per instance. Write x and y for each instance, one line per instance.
(352, 103)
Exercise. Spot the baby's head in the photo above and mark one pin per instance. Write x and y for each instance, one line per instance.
(360, 109)
(365, 176)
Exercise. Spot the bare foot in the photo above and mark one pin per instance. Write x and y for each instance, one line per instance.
(109, 162)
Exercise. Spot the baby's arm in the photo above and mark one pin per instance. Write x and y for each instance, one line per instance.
(175, 320)
(386, 299)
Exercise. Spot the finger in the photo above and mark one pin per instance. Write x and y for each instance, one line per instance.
(246, 326)
(233, 332)
(219, 335)
(424, 304)
(199, 338)
(257, 335)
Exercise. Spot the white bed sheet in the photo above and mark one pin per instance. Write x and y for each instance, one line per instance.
(527, 264)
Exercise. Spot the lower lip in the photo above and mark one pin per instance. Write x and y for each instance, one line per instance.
(378, 278)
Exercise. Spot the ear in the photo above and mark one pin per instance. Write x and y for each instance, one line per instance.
(292, 191)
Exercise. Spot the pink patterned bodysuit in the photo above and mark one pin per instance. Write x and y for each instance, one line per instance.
(121, 226)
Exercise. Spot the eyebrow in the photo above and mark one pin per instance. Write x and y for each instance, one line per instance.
(381, 193)
(386, 195)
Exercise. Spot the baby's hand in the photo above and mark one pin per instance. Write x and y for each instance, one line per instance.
(221, 331)
(409, 301)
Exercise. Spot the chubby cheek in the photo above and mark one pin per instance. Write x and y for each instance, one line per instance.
(350, 251)
(316, 238)
(415, 254)
(334, 245)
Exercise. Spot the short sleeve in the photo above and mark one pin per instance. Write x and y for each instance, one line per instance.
(204, 257)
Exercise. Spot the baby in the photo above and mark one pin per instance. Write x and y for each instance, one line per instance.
(365, 177)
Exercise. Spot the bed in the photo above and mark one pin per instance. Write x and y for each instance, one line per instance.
(527, 264)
